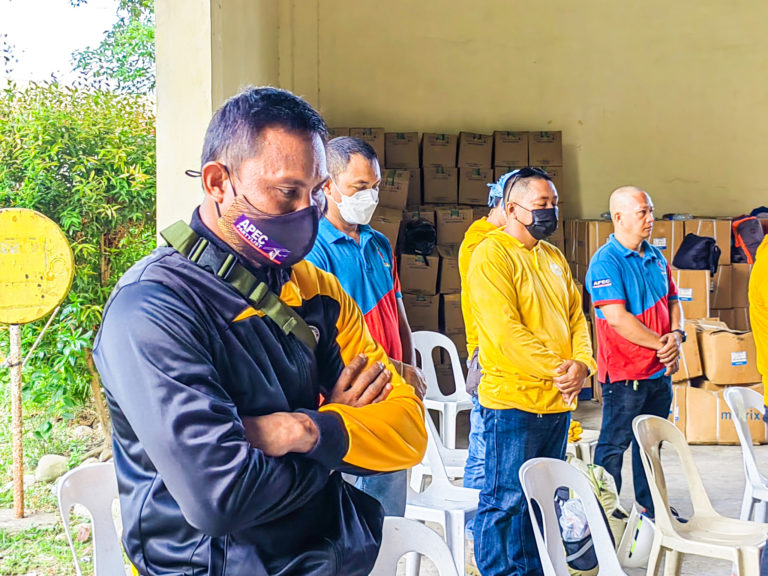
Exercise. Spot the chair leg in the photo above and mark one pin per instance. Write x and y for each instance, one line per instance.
(747, 504)
(673, 561)
(749, 561)
(760, 508)
(449, 436)
(442, 420)
(454, 537)
(654, 560)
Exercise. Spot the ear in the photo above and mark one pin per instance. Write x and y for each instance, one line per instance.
(327, 187)
(215, 180)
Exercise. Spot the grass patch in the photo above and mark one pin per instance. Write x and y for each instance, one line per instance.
(42, 551)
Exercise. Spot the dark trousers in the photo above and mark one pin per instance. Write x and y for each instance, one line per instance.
(622, 402)
(504, 540)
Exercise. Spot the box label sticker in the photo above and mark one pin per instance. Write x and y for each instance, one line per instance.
(739, 358)
(685, 294)
(660, 243)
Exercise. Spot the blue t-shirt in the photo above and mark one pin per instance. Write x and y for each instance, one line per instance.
(643, 285)
(368, 273)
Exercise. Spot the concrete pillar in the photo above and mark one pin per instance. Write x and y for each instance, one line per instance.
(206, 51)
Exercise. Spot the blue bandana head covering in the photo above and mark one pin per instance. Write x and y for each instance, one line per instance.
(497, 188)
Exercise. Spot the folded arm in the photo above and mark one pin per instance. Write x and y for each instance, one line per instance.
(156, 364)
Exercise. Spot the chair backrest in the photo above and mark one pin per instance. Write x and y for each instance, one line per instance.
(650, 433)
(401, 536)
(94, 486)
(425, 342)
(540, 478)
(741, 401)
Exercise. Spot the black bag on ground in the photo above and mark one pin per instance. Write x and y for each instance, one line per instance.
(420, 237)
(697, 253)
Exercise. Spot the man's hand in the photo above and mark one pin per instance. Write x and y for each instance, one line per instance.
(279, 433)
(359, 386)
(672, 368)
(574, 373)
(670, 348)
(413, 376)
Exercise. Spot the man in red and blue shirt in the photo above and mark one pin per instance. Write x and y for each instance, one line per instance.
(638, 332)
(363, 261)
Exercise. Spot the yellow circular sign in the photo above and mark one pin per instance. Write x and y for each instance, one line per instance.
(36, 265)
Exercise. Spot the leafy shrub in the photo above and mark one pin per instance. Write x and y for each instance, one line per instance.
(85, 159)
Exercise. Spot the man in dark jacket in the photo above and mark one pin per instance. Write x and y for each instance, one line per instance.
(235, 410)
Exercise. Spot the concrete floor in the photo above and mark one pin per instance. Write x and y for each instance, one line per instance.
(722, 474)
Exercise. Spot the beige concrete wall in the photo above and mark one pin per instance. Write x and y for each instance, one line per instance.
(206, 51)
(666, 95)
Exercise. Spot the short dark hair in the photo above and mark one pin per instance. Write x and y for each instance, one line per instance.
(339, 151)
(523, 176)
(233, 133)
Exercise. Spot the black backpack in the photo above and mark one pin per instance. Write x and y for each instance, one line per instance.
(747, 236)
(420, 237)
(697, 253)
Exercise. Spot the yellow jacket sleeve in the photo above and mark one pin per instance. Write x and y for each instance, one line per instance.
(389, 435)
(758, 311)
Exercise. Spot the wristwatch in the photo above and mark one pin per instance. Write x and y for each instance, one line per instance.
(682, 333)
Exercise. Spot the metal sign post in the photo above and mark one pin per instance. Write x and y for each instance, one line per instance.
(36, 270)
(16, 427)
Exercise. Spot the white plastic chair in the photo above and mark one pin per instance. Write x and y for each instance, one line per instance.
(706, 533)
(448, 406)
(741, 401)
(453, 460)
(442, 502)
(93, 486)
(402, 536)
(540, 478)
(584, 448)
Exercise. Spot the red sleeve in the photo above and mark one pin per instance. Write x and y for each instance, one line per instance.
(395, 276)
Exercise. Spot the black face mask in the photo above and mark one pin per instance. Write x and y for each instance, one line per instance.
(544, 222)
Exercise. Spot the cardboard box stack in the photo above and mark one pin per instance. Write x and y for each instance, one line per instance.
(714, 357)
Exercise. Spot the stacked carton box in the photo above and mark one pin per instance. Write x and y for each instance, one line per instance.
(725, 358)
(374, 137)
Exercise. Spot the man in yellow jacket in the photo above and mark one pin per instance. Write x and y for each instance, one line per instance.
(536, 354)
(758, 312)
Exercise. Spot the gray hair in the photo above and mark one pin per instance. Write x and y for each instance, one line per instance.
(339, 151)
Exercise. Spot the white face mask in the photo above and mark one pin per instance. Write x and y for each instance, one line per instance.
(358, 208)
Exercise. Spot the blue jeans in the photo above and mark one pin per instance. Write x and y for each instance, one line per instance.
(389, 489)
(474, 469)
(504, 541)
(622, 402)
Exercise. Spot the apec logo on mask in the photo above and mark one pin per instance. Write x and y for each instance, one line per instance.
(260, 241)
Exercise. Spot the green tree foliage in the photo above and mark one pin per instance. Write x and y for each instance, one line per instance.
(85, 159)
(125, 59)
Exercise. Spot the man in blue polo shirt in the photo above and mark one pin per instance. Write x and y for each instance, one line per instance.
(638, 332)
(363, 261)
